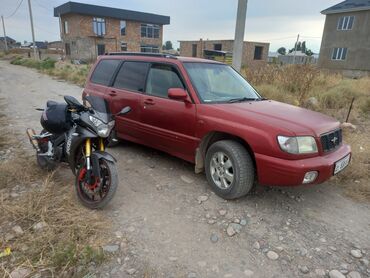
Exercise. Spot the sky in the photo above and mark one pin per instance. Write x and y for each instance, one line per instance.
(277, 22)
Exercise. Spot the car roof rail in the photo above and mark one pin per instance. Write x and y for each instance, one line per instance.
(159, 55)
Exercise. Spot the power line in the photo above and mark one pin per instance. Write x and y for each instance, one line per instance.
(16, 9)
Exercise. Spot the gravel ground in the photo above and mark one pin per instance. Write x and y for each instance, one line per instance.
(168, 223)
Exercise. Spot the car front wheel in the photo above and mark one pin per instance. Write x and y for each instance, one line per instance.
(229, 169)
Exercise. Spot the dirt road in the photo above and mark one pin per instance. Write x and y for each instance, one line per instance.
(176, 227)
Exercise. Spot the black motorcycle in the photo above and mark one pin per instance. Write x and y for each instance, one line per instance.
(77, 134)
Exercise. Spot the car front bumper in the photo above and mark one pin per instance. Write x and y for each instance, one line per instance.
(282, 172)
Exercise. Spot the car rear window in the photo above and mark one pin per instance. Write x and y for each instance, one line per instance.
(104, 71)
(132, 76)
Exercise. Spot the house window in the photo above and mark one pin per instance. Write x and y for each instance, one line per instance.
(258, 50)
(123, 27)
(68, 49)
(149, 49)
(346, 22)
(149, 31)
(65, 27)
(123, 46)
(339, 53)
(99, 26)
(217, 46)
(194, 50)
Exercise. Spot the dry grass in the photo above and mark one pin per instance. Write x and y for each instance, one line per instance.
(75, 74)
(72, 236)
(296, 84)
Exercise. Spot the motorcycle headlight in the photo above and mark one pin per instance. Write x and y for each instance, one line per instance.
(102, 129)
(298, 145)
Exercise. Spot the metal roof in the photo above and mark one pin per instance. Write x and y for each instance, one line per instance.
(93, 10)
(348, 6)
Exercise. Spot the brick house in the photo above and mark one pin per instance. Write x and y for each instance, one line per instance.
(89, 30)
(255, 54)
(345, 46)
(9, 41)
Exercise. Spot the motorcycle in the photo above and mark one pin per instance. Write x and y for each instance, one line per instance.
(77, 134)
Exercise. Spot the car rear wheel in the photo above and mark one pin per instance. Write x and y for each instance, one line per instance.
(229, 169)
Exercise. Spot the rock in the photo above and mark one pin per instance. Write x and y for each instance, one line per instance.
(323, 240)
(304, 269)
(280, 249)
(211, 221)
(192, 275)
(348, 126)
(243, 222)
(237, 221)
(119, 234)
(233, 229)
(20, 272)
(320, 272)
(39, 226)
(186, 179)
(14, 195)
(356, 253)
(111, 248)
(222, 212)
(18, 230)
(131, 229)
(364, 261)
(303, 252)
(202, 264)
(332, 248)
(173, 259)
(214, 238)
(272, 255)
(228, 275)
(9, 237)
(131, 271)
(256, 245)
(202, 198)
(336, 274)
(354, 274)
(248, 273)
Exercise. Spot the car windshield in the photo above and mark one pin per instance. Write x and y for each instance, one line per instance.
(220, 83)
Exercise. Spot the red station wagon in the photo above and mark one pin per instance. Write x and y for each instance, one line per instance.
(205, 112)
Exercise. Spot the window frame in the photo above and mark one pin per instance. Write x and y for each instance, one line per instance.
(120, 27)
(99, 21)
(150, 28)
(338, 53)
(119, 69)
(113, 75)
(346, 23)
(65, 27)
(179, 74)
(149, 46)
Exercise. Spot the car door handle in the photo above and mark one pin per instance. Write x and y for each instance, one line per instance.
(113, 93)
(149, 101)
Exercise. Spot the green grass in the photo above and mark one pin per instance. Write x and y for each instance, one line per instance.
(31, 63)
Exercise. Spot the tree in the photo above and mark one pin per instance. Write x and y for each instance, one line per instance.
(282, 50)
(167, 45)
(304, 48)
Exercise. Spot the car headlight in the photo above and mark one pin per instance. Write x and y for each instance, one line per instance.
(298, 145)
(102, 129)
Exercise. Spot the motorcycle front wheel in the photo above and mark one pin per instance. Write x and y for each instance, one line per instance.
(99, 193)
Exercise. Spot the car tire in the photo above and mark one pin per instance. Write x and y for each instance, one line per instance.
(229, 169)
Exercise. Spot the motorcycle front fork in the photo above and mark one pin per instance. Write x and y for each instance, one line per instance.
(88, 155)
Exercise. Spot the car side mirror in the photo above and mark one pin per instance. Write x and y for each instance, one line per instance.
(178, 94)
(125, 110)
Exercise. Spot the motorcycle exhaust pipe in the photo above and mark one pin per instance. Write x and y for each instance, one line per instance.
(31, 135)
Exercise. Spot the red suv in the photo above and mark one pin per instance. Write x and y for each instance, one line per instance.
(205, 112)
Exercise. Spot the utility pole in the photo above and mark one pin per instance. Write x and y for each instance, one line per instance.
(6, 43)
(32, 30)
(295, 49)
(239, 34)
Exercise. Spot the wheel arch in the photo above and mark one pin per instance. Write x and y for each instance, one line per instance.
(215, 136)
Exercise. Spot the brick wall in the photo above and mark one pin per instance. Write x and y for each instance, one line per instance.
(83, 40)
(186, 49)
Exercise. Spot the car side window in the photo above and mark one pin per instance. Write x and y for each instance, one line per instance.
(161, 78)
(131, 76)
(104, 71)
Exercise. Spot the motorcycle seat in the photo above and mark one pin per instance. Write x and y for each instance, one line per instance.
(50, 103)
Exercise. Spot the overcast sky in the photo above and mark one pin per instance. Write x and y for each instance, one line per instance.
(277, 22)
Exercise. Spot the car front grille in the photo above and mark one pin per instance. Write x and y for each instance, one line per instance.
(331, 141)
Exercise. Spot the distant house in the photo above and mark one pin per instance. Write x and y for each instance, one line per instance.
(254, 53)
(298, 58)
(89, 30)
(10, 42)
(273, 57)
(345, 43)
(57, 45)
